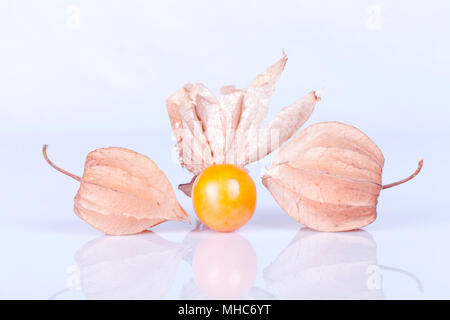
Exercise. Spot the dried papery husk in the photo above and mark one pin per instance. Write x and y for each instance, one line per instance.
(228, 130)
(329, 177)
(123, 192)
(231, 106)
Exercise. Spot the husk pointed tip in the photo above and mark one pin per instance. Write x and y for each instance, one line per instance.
(319, 93)
(285, 57)
(182, 215)
(187, 218)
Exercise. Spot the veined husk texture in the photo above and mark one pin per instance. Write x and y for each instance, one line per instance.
(210, 130)
(124, 192)
(328, 177)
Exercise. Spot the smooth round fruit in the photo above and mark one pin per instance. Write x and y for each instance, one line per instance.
(224, 266)
(224, 197)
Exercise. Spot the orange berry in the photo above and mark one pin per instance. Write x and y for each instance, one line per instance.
(224, 197)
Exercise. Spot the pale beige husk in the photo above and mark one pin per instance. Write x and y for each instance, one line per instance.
(328, 177)
(210, 130)
(123, 192)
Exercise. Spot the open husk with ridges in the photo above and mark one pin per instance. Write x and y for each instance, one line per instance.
(210, 130)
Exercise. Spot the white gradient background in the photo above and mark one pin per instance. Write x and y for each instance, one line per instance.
(104, 81)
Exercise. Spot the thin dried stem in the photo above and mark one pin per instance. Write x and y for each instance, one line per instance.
(44, 151)
(419, 167)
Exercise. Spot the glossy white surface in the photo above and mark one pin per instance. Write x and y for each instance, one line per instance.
(83, 74)
(47, 252)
